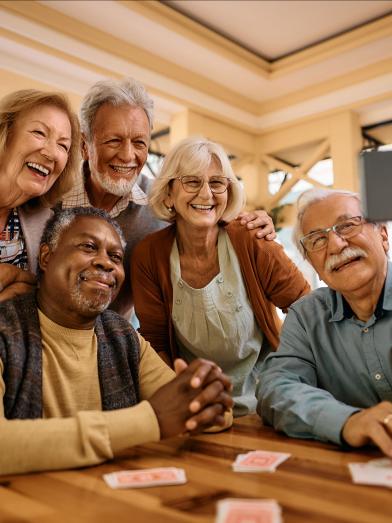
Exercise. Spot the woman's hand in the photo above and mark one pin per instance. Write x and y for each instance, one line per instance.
(258, 219)
(14, 281)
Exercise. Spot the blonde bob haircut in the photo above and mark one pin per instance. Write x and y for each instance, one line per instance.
(193, 156)
(18, 102)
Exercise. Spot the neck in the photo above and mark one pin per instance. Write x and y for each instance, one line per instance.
(98, 196)
(196, 242)
(69, 319)
(363, 302)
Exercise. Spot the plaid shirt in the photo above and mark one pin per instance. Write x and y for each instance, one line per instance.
(78, 197)
(12, 244)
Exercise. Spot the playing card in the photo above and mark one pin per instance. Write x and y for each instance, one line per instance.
(145, 478)
(233, 510)
(375, 472)
(259, 461)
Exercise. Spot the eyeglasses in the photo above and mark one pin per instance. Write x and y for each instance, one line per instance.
(193, 184)
(318, 240)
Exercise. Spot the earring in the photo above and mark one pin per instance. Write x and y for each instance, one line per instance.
(170, 209)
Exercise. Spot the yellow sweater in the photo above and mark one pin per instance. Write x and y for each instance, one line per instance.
(74, 431)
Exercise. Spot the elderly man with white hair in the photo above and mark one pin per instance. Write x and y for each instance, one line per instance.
(331, 378)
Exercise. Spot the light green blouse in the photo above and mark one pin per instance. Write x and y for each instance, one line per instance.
(217, 322)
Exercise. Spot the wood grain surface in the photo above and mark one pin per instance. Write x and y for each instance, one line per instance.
(313, 485)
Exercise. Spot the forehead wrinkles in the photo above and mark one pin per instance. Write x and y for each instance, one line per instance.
(329, 211)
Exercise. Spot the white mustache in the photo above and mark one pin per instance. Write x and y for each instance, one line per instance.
(349, 253)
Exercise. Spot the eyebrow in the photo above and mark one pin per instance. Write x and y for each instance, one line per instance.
(91, 236)
(67, 138)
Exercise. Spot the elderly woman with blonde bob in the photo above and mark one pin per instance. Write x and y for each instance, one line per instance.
(203, 287)
(39, 151)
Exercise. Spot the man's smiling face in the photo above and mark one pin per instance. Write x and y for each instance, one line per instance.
(118, 147)
(83, 274)
(346, 265)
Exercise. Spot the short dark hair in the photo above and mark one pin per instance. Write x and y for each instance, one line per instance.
(63, 218)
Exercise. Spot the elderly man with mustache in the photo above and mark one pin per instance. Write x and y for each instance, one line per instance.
(331, 378)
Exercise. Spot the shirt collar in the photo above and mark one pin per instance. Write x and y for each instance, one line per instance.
(341, 309)
(78, 197)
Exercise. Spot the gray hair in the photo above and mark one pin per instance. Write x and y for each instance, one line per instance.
(121, 92)
(63, 219)
(308, 198)
(193, 156)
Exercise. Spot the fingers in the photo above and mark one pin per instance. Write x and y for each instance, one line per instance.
(211, 415)
(179, 366)
(368, 426)
(269, 237)
(213, 393)
(217, 374)
(380, 435)
(200, 370)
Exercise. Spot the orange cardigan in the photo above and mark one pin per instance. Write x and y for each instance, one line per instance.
(271, 279)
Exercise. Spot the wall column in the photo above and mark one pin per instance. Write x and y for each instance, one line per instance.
(345, 144)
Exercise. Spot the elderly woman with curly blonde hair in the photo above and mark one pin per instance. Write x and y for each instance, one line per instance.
(39, 151)
(203, 287)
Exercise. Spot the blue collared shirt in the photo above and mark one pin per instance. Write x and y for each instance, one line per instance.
(329, 365)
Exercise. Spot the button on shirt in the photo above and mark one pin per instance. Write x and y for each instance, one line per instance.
(329, 365)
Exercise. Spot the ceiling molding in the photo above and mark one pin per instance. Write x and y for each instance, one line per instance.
(110, 44)
(323, 88)
(197, 32)
(337, 45)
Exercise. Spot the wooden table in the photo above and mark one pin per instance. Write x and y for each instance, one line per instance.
(313, 485)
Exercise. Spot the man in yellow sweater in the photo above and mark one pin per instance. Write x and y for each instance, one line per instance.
(77, 384)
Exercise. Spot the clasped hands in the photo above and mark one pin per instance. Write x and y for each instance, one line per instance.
(196, 399)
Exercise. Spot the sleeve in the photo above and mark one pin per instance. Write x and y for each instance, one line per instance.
(88, 438)
(150, 307)
(282, 281)
(288, 396)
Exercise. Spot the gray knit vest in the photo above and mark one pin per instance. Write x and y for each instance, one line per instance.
(21, 355)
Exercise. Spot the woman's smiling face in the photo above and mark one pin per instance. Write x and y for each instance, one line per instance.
(203, 208)
(36, 152)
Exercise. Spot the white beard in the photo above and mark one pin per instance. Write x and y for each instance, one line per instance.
(120, 187)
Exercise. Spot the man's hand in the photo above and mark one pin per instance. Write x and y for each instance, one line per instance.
(196, 399)
(14, 281)
(261, 220)
(373, 425)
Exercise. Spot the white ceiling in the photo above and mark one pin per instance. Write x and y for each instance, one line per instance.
(271, 28)
(277, 28)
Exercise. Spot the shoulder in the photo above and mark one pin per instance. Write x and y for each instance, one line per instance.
(156, 240)
(241, 237)
(21, 306)
(315, 304)
(111, 321)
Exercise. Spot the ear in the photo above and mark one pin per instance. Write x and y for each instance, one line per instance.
(83, 147)
(44, 256)
(384, 237)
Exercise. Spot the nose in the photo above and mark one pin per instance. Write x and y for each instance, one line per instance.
(103, 261)
(49, 149)
(205, 190)
(336, 243)
(126, 152)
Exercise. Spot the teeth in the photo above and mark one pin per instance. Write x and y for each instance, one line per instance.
(202, 207)
(123, 169)
(39, 168)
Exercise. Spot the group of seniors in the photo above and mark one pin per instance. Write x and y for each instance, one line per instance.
(76, 376)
